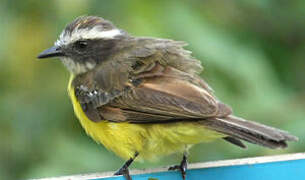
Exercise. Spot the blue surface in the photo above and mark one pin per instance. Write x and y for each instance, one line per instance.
(292, 170)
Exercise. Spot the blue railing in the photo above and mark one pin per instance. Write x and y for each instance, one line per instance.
(282, 167)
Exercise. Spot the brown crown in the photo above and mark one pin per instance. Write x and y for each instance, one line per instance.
(89, 22)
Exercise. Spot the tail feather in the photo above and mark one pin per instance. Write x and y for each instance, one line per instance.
(250, 131)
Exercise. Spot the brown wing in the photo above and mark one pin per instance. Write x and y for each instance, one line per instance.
(164, 94)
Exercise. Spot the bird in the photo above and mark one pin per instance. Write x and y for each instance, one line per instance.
(143, 97)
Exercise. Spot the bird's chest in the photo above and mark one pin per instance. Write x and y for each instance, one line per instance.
(122, 138)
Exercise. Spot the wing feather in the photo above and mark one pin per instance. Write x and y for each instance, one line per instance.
(171, 94)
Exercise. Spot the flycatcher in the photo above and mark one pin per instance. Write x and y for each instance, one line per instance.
(142, 97)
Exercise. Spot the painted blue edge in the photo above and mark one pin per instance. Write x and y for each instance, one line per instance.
(283, 170)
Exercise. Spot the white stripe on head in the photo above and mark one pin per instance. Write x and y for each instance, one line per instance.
(94, 33)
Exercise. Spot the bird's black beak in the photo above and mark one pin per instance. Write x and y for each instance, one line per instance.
(54, 51)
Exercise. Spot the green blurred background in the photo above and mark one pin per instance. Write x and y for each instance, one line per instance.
(253, 53)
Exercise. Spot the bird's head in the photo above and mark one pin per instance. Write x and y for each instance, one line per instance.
(84, 43)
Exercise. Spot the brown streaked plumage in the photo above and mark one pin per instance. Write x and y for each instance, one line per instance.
(143, 96)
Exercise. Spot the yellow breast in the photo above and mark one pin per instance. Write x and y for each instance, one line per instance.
(149, 140)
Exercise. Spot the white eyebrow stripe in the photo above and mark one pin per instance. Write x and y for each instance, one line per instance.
(94, 33)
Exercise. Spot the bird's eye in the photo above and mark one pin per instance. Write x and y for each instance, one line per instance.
(81, 45)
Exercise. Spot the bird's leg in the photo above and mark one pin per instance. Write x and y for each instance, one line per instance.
(182, 167)
(124, 169)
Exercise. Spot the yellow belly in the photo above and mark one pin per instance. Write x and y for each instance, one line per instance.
(149, 140)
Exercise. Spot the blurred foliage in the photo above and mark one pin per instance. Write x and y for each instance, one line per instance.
(253, 53)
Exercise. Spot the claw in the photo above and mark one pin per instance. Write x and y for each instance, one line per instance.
(172, 168)
(182, 167)
(124, 169)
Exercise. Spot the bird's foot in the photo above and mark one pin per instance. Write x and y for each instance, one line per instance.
(123, 171)
(182, 167)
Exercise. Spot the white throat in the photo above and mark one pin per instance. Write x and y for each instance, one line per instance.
(75, 67)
